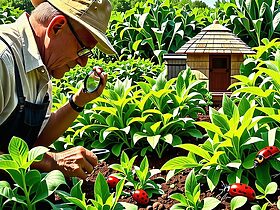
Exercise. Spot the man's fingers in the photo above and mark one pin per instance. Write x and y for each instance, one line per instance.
(91, 158)
(81, 174)
(87, 166)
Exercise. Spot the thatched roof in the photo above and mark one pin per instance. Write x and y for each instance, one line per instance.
(215, 38)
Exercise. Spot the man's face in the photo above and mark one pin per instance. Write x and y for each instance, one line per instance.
(63, 48)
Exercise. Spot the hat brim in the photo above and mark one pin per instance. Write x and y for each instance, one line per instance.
(103, 43)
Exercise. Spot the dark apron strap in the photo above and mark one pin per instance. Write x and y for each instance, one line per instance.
(26, 119)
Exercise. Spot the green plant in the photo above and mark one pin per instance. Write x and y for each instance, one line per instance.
(191, 197)
(270, 189)
(168, 111)
(237, 202)
(137, 177)
(9, 14)
(229, 149)
(31, 187)
(149, 30)
(253, 20)
(103, 199)
(125, 167)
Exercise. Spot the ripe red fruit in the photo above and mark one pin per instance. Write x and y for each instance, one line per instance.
(141, 197)
(112, 181)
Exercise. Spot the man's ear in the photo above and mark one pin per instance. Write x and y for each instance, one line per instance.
(56, 25)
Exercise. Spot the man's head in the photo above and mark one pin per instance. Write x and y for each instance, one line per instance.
(92, 14)
(62, 39)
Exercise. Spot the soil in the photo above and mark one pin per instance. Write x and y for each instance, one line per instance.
(174, 185)
(163, 202)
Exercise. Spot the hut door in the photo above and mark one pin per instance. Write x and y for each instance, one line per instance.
(219, 75)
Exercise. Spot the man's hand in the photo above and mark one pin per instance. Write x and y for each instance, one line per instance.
(76, 161)
(81, 98)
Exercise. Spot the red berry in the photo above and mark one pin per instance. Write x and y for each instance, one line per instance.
(141, 197)
(112, 181)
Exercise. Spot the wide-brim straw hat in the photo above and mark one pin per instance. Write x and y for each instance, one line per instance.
(92, 14)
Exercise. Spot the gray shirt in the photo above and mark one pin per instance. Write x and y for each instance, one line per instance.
(34, 75)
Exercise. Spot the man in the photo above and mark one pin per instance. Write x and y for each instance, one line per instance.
(58, 35)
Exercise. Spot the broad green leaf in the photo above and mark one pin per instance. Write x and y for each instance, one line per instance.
(168, 138)
(8, 164)
(101, 188)
(196, 150)
(35, 154)
(119, 189)
(214, 159)
(210, 203)
(125, 206)
(155, 127)
(256, 207)
(260, 188)
(137, 136)
(138, 119)
(179, 197)
(248, 162)
(237, 202)
(272, 136)
(263, 175)
(254, 90)
(136, 44)
(117, 167)
(247, 119)
(108, 131)
(213, 177)
(32, 177)
(153, 140)
(210, 127)
(117, 148)
(76, 190)
(234, 164)
(18, 150)
(180, 163)
(77, 202)
(48, 185)
(252, 140)
(271, 188)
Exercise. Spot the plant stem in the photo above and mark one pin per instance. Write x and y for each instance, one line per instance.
(29, 205)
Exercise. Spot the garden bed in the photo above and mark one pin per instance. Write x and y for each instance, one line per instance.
(174, 185)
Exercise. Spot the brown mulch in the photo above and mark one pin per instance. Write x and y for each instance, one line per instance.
(163, 202)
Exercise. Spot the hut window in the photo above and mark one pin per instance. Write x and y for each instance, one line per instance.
(220, 63)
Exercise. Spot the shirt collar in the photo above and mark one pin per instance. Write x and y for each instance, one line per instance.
(31, 56)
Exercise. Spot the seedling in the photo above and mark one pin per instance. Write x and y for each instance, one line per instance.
(137, 177)
(191, 198)
(103, 199)
(31, 186)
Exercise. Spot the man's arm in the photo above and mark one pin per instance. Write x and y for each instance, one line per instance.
(76, 161)
(62, 119)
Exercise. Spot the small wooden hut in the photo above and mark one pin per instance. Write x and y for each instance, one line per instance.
(214, 54)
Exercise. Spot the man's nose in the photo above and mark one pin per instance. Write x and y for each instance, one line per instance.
(82, 61)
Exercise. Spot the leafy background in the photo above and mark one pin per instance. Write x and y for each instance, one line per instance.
(141, 112)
